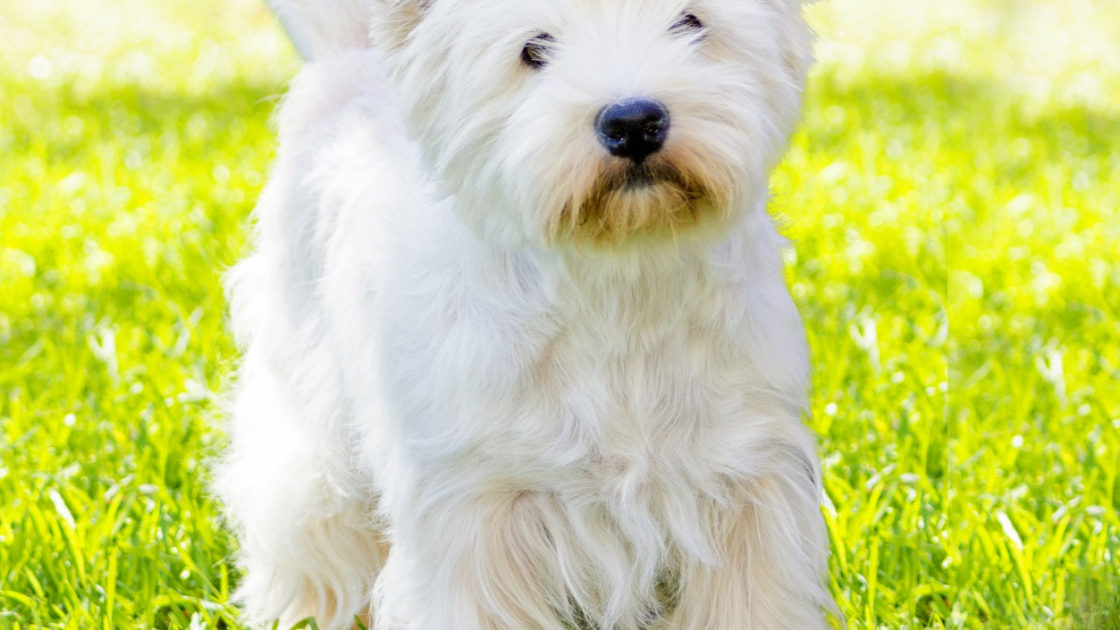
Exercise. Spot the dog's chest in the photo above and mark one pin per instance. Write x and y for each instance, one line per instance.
(637, 413)
(612, 391)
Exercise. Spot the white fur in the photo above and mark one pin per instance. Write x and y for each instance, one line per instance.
(320, 28)
(545, 427)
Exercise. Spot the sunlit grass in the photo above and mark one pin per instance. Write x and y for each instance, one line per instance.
(953, 198)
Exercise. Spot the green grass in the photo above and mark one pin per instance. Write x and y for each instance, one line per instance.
(955, 203)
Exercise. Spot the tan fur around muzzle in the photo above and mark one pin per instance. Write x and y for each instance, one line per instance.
(658, 197)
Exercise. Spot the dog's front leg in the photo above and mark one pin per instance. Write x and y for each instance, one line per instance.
(771, 575)
(473, 564)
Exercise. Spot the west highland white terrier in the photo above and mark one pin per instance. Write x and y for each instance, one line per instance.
(518, 349)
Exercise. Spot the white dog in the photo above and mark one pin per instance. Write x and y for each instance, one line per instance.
(519, 353)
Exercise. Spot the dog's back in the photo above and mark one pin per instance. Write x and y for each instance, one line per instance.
(342, 156)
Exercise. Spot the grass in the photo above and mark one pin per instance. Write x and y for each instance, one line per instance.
(954, 203)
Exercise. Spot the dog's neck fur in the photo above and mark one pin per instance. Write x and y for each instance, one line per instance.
(631, 299)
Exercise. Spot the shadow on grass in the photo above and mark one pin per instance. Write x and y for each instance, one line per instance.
(952, 103)
(45, 118)
(1097, 604)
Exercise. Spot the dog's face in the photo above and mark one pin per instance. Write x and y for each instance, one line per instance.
(595, 121)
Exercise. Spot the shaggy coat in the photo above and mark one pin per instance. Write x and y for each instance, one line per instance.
(489, 382)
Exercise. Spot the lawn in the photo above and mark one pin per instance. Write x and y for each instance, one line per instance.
(954, 197)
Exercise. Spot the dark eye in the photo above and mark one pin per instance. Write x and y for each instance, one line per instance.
(535, 53)
(688, 23)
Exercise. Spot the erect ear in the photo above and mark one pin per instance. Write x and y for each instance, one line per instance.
(320, 27)
(394, 21)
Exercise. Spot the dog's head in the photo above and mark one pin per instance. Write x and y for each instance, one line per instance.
(596, 121)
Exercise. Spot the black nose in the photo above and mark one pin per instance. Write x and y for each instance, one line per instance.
(633, 129)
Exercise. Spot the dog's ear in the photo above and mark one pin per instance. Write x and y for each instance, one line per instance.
(394, 21)
(319, 27)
